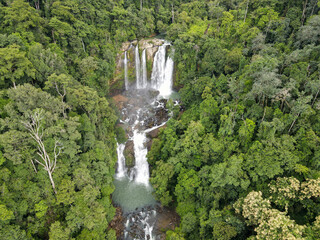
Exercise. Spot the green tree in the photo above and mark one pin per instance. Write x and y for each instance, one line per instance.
(14, 66)
(20, 17)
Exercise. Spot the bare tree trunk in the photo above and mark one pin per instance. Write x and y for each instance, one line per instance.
(264, 114)
(34, 167)
(83, 46)
(293, 123)
(35, 130)
(303, 17)
(245, 15)
(206, 32)
(52, 33)
(62, 95)
(52, 182)
(172, 12)
(314, 6)
(37, 4)
(315, 98)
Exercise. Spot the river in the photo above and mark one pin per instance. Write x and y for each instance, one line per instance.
(140, 115)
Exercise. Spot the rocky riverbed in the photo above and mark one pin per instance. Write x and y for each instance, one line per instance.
(142, 109)
(164, 219)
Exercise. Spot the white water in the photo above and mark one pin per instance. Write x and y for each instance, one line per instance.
(121, 171)
(138, 70)
(158, 68)
(141, 69)
(142, 167)
(144, 70)
(162, 72)
(166, 86)
(125, 63)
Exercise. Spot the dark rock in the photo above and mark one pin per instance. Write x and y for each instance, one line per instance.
(148, 144)
(155, 133)
(153, 93)
(117, 223)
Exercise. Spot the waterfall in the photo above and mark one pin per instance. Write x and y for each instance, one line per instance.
(121, 171)
(141, 69)
(140, 151)
(125, 63)
(162, 71)
(138, 70)
(133, 191)
(158, 68)
(144, 69)
(166, 86)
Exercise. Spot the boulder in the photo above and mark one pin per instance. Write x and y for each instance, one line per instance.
(120, 100)
(149, 43)
(151, 52)
(125, 46)
(117, 223)
(161, 115)
(151, 46)
(148, 144)
(129, 154)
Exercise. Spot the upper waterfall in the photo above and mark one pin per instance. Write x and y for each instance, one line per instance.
(125, 63)
(138, 70)
(144, 82)
(158, 68)
(162, 70)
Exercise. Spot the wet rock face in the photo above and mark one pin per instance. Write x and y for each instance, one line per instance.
(129, 154)
(150, 45)
(148, 115)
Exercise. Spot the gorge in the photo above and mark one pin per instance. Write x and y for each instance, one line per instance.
(145, 95)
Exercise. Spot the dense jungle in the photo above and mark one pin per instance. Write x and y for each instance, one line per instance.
(239, 157)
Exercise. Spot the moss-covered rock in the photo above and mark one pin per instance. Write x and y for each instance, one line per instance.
(129, 154)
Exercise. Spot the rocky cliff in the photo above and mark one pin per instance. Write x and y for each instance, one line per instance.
(151, 46)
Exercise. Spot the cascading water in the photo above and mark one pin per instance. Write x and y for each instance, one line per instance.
(133, 190)
(138, 69)
(144, 69)
(121, 161)
(125, 63)
(141, 69)
(140, 151)
(162, 71)
(158, 68)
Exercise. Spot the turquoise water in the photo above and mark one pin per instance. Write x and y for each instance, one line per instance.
(130, 195)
